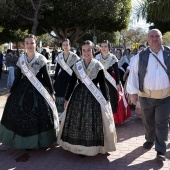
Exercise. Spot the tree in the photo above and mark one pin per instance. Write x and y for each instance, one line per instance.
(67, 18)
(111, 37)
(15, 36)
(166, 38)
(156, 12)
(74, 18)
(47, 40)
(129, 37)
(25, 13)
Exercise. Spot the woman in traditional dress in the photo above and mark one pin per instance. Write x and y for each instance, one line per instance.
(110, 63)
(62, 74)
(122, 65)
(123, 113)
(28, 121)
(86, 128)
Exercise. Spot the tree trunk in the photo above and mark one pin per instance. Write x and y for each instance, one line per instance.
(17, 46)
(34, 27)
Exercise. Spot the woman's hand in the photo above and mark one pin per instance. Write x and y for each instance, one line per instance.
(118, 87)
(125, 75)
(53, 97)
(65, 104)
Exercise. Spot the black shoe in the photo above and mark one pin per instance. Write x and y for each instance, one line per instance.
(160, 156)
(82, 156)
(148, 145)
(28, 149)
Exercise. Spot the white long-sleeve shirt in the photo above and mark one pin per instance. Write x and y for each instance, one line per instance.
(155, 79)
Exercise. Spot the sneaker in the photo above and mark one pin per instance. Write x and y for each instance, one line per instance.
(160, 156)
(148, 145)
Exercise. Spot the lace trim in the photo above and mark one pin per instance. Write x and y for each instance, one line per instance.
(72, 59)
(92, 70)
(108, 62)
(36, 64)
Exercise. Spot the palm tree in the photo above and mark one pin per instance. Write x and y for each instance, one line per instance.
(154, 11)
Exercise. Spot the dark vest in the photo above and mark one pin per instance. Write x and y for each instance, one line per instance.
(143, 64)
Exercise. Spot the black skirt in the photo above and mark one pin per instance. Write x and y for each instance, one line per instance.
(83, 123)
(61, 83)
(26, 111)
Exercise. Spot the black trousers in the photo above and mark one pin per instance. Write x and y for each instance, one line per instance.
(156, 121)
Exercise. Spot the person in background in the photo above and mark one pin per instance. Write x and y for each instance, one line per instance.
(122, 66)
(141, 47)
(149, 79)
(128, 55)
(1, 63)
(135, 51)
(11, 61)
(113, 50)
(110, 63)
(45, 53)
(78, 52)
(65, 62)
(54, 55)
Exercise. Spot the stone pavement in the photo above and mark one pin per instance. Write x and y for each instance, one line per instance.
(129, 155)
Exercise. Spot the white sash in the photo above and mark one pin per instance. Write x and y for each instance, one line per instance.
(64, 65)
(37, 84)
(113, 82)
(93, 89)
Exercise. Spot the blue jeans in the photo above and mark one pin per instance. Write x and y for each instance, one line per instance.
(10, 76)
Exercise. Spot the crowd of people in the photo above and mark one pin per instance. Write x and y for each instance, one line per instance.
(87, 96)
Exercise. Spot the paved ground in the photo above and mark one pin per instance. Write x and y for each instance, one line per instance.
(129, 154)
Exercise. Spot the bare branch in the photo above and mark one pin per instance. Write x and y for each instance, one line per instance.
(30, 19)
(33, 5)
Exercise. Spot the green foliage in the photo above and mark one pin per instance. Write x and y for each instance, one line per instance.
(107, 15)
(140, 8)
(47, 40)
(156, 12)
(166, 38)
(15, 36)
(67, 18)
(132, 36)
(111, 37)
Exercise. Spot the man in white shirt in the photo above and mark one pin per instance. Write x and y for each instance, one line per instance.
(150, 81)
